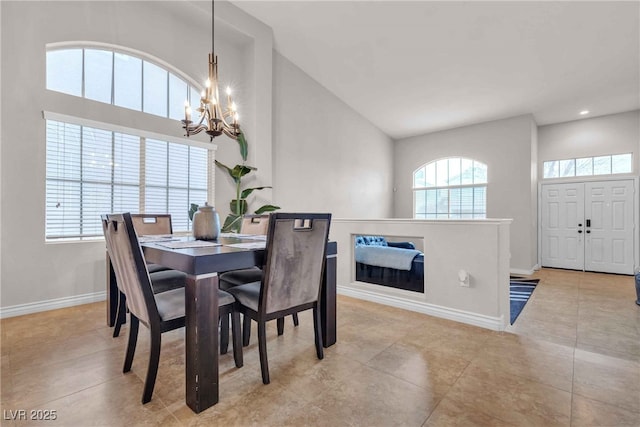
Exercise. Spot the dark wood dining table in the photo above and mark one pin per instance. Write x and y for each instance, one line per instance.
(202, 266)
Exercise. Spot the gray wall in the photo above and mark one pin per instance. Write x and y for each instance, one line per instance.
(326, 156)
(508, 149)
(611, 134)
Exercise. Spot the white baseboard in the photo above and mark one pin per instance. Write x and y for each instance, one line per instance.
(522, 272)
(487, 322)
(52, 304)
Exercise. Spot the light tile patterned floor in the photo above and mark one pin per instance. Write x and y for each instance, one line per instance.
(571, 359)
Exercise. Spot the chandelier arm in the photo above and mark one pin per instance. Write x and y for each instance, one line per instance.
(202, 117)
(195, 129)
(230, 134)
(224, 122)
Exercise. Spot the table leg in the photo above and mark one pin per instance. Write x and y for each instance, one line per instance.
(328, 302)
(201, 341)
(112, 294)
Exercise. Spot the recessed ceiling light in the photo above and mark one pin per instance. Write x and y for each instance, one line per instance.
(584, 112)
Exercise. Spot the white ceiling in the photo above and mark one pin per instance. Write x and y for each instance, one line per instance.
(420, 66)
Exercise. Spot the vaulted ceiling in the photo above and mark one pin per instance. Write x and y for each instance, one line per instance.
(421, 66)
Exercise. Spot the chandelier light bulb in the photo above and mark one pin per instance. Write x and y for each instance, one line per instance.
(187, 111)
(228, 90)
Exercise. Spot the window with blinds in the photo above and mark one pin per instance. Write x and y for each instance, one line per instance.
(450, 188)
(91, 171)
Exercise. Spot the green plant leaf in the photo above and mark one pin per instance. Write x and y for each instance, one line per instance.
(192, 210)
(237, 172)
(223, 166)
(247, 191)
(266, 208)
(232, 223)
(244, 147)
(233, 205)
(241, 170)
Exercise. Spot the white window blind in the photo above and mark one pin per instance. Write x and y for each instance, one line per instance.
(450, 188)
(176, 177)
(92, 171)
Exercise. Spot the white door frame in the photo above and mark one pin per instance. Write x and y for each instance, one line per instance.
(597, 178)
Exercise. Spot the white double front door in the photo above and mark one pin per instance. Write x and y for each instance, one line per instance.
(589, 226)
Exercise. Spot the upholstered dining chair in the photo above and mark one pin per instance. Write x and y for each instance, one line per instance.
(255, 224)
(251, 224)
(162, 278)
(160, 312)
(259, 225)
(152, 225)
(291, 282)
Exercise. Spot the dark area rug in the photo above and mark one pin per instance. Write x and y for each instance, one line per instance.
(520, 292)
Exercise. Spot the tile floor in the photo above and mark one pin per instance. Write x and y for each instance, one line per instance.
(571, 359)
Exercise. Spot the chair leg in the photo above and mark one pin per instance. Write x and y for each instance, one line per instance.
(121, 314)
(131, 344)
(318, 333)
(237, 339)
(294, 316)
(280, 324)
(224, 332)
(152, 370)
(262, 347)
(246, 330)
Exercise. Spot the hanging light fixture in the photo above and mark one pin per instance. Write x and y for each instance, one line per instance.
(213, 119)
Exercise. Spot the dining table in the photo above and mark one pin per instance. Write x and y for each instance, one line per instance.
(202, 262)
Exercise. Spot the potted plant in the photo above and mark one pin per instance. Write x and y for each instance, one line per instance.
(239, 205)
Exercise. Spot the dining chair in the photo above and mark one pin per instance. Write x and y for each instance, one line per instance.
(162, 278)
(259, 225)
(152, 225)
(291, 283)
(160, 312)
(251, 224)
(255, 224)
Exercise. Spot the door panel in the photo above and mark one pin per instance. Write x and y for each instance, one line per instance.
(562, 240)
(605, 211)
(609, 240)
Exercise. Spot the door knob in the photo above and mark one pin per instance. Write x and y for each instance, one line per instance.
(588, 231)
(579, 231)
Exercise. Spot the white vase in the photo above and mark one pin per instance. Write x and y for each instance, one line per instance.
(206, 223)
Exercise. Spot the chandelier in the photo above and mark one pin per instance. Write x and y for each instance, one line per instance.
(214, 120)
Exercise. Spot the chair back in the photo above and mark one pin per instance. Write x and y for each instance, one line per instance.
(296, 247)
(255, 224)
(150, 224)
(129, 266)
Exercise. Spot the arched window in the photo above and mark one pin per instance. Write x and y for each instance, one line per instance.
(453, 187)
(117, 76)
(94, 168)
